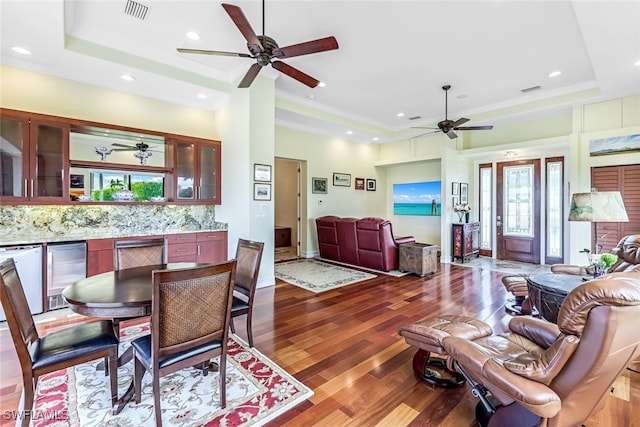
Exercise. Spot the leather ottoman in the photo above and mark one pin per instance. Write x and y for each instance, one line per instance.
(427, 336)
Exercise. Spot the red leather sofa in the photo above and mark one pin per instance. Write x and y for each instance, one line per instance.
(365, 242)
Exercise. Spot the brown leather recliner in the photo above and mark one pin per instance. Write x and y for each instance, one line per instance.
(628, 254)
(555, 375)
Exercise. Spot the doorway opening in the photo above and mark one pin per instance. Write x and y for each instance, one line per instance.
(287, 187)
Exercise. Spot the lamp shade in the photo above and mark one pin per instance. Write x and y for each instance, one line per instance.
(598, 206)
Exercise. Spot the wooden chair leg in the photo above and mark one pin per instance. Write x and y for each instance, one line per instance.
(233, 327)
(249, 330)
(223, 380)
(138, 373)
(156, 399)
(29, 386)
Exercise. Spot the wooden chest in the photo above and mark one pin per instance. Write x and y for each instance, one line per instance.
(418, 258)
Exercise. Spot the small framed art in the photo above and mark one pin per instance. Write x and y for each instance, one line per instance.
(371, 185)
(341, 179)
(359, 184)
(261, 191)
(319, 185)
(463, 193)
(455, 188)
(261, 172)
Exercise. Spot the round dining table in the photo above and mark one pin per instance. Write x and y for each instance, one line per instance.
(118, 295)
(121, 294)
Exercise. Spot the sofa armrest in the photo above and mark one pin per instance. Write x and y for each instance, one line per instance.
(404, 239)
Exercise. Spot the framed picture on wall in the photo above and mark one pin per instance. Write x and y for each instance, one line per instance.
(319, 185)
(464, 188)
(261, 191)
(455, 188)
(371, 185)
(359, 183)
(341, 179)
(455, 200)
(261, 172)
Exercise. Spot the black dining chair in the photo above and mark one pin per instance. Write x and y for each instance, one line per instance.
(248, 257)
(190, 313)
(39, 355)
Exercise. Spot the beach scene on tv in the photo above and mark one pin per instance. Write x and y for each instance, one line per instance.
(417, 198)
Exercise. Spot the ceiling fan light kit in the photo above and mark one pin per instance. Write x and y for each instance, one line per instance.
(265, 50)
(449, 126)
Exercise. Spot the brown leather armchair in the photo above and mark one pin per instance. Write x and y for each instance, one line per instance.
(626, 251)
(540, 373)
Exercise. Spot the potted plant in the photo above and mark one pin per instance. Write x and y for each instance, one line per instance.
(462, 210)
(601, 263)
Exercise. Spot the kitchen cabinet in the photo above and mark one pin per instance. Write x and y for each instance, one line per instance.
(197, 171)
(99, 256)
(210, 247)
(465, 241)
(181, 247)
(34, 159)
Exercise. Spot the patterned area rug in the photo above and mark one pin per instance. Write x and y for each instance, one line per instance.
(394, 273)
(258, 390)
(316, 276)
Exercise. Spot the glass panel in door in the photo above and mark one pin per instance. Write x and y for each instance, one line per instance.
(518, 207)
(208, 173)
(13, 157)
(185, 171)
(50, 161)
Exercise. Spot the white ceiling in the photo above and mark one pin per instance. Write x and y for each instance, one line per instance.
(394, 56)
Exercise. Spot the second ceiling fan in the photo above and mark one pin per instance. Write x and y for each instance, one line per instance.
(448, 126)
(266, 51)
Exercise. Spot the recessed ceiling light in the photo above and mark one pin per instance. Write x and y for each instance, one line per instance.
(400, 114)
(349, 132)
(637, 63)
(322, 84)
(127, 77)
(193, 35)
(202, 96)
(463, 96)
(375, 138)
(21, 50)
(555, 73)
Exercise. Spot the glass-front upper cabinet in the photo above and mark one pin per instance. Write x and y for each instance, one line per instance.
(197, 171)
(33, 158)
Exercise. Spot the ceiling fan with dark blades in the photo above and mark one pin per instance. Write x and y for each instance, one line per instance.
(265, 50)
(140, 146)
(448, 126)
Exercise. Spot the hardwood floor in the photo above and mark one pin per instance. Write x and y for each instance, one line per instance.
(344, 345)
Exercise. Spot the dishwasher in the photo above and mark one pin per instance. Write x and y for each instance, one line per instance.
(28, 261)
(66, 263)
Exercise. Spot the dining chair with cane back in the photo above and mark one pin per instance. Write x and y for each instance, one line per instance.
(190, 313)
(57, 350)
(137, 253)
(248, 257)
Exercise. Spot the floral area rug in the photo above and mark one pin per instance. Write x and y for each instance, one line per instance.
(316, 276)
(258, 390)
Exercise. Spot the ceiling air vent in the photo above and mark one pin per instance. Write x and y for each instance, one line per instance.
(415, 118)
(530, 89)
(137, 10)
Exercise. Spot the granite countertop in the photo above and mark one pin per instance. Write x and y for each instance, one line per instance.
(22, 238)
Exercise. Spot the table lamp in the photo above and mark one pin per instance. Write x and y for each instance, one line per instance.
(595, 207)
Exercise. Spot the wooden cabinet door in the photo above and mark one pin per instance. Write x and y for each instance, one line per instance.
(14, 158)
(99, 256)
(212, 247)
(49, 161)
(197, 171)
